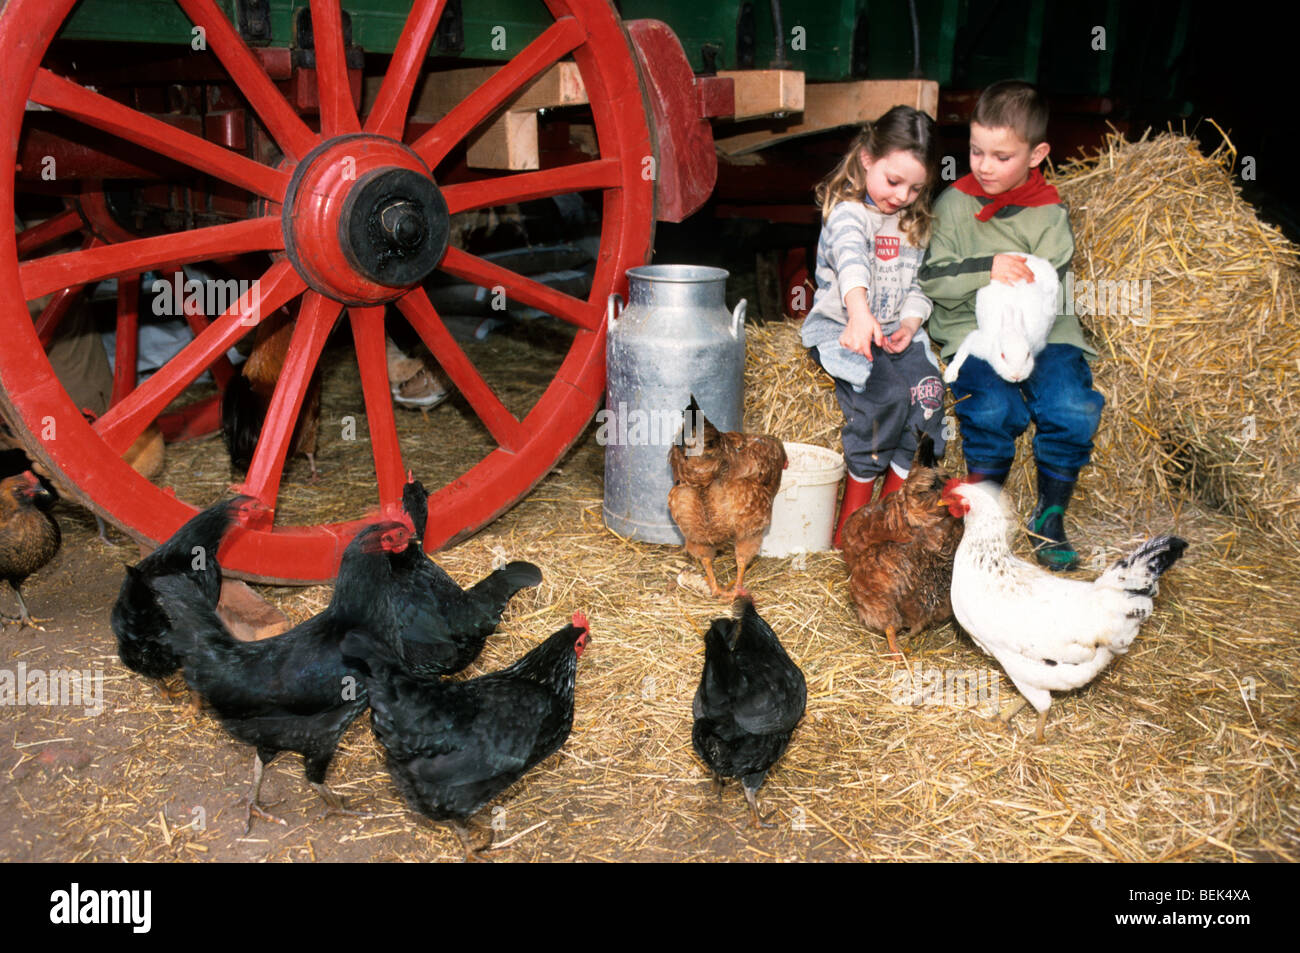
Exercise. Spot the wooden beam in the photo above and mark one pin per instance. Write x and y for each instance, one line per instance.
(438, 92)
(762, 92)
(832, 105)
(509, 141)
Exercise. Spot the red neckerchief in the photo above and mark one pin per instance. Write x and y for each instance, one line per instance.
(1033, 193)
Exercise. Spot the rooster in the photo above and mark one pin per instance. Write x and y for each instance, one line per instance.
(900, 551)
(1048, 633)
(138, 620)
(431, 623)
(291, 692)
(751, 697)
(723, 488)
(452, 746)
(29, 537)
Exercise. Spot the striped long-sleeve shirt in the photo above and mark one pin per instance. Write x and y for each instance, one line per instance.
(862, 247)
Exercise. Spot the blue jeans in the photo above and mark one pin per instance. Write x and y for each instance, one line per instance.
(1058, 397)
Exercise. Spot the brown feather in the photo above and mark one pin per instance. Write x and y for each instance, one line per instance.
(723, 493)
(900, 553)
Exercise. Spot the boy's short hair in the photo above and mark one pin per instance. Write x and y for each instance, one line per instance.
(1013, 104)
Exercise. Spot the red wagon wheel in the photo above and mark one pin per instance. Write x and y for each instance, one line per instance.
(349, 171)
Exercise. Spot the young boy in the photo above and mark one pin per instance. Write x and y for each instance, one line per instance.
(1005, 205)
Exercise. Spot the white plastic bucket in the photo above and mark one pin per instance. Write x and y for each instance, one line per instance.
(803, 514)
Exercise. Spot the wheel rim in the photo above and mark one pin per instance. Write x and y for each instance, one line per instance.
(88, 456)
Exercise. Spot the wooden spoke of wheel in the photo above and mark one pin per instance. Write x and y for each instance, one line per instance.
(556, 40)
(338, 114)
(98, 111)
(524, 290)
(312, 327)
(372, 362)
(526, 186)
(41, 276)
(126, 339)
(505, 428)
(127, 420)
(38, 236)
(388, 115)
(292, 135)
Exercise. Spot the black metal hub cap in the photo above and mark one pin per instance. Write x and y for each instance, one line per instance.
(394, 227)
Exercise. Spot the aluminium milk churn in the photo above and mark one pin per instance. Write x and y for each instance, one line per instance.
(675, 338)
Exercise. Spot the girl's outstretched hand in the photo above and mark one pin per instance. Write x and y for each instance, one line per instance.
(862, 330)
(901, 339)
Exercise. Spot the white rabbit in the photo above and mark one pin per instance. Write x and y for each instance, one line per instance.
(1013, 323)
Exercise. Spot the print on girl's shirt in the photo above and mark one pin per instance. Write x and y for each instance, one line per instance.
(886, 247)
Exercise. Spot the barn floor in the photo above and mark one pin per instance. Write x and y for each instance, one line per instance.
(1185, 749)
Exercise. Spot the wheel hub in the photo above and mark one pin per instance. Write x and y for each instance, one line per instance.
(363, 220)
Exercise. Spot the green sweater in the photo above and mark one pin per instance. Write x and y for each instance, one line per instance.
(961, 255)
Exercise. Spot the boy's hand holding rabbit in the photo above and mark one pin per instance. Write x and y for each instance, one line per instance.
(1009, 269)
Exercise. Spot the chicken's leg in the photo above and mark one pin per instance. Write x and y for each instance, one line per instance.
(473, 855)
(756, 820)
(746, 553)
(23, 619)
(891, 634)
(254, 805)
(1011, 710)
(708, 572)
(1042, 722)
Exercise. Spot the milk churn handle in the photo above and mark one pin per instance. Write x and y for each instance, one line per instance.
(738, 317)
(611, 311)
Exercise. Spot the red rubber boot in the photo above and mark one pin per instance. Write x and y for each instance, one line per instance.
(857, 493)
(892, 482)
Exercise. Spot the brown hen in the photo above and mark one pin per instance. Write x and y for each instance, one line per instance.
(900, 553)
(29, 537)
(723, 488)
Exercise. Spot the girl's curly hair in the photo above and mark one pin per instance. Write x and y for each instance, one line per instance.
(903, 128)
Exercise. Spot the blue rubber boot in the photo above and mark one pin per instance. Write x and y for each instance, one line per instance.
(1047, 524)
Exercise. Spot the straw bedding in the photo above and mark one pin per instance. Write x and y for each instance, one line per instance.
(1185, 749)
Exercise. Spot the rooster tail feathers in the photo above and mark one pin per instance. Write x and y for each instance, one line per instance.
(697, 431)
(1140, 571)
(925, 451)
(204, 531)
(366, 653)
(499, 586)
(415, 501)
(241, 421)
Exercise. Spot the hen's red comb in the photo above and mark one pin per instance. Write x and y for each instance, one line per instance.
(953, 484)
(580, 621)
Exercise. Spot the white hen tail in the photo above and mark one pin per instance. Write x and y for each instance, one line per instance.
(1139, 572)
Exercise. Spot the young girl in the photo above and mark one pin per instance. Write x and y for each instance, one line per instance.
(864, 327)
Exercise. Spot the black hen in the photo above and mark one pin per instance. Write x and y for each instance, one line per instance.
(434, 626)
(453, 746)
(291, 692)
(750, 699)
(138, 619)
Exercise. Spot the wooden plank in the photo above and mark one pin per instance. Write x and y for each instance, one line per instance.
(831, 105)
(509, 143)
(438, 92)
(762, 92)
